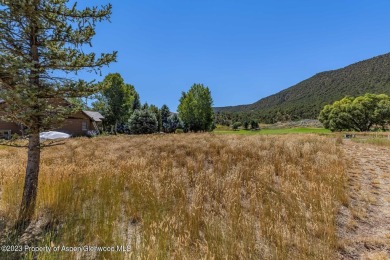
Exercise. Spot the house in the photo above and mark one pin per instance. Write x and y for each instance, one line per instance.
(78, 124)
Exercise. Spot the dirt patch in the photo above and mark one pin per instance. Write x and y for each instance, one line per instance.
(364, 225)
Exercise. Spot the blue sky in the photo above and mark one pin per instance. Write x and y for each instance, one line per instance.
(242, 50)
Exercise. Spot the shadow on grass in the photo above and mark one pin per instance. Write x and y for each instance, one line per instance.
(14, 239)
(10, 248)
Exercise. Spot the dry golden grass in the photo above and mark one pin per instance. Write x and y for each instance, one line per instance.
(375, 140)
(187, 196)
(364, 225)
(376, 256)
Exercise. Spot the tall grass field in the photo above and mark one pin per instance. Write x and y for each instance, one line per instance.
(276, 131)
(184, 196)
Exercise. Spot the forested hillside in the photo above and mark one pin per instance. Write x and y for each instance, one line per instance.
(307, 98)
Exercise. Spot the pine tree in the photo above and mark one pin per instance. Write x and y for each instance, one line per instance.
(136, 102)
(165, 113)
(143, 121)
(154, 109)
(172, 123)
(40, 41)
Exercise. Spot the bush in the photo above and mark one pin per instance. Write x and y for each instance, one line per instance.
(255, 125)
(236, 125)
(172, 123)
(179, 131)
(92, 133)
(143, 122)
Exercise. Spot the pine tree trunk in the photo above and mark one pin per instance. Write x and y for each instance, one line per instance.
(30, 189)
(31, 182)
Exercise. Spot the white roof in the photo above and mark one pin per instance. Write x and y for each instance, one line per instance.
(52, 135)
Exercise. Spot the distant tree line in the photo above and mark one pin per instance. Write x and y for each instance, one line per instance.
(227, 118)
(363, 113)
(121, 106)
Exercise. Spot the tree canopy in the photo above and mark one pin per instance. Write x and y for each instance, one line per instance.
(116, 100)
(195, 109)
(357, 114)
(40, 40)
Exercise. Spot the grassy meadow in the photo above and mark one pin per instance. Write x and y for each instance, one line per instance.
(185, 196)
(275, 131)
(379, 141)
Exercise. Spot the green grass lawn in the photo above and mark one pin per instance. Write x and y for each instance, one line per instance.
(298, 130)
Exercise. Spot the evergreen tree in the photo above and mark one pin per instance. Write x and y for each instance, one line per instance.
(78, 102)
(137, 102)
(40, 38)
(143, 122)
(145, 106)
(154, 109)
(172, 123)
(165, 113)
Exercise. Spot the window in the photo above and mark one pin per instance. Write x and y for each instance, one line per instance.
(84, 126)
(5, 134)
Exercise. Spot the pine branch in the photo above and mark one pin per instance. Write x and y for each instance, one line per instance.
(42, 145)
(39, 38)
(88, 13)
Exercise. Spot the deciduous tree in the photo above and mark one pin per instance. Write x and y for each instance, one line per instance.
(195, 109)
(236, 125)
(254, 125)
(357, 114)
(115, 101)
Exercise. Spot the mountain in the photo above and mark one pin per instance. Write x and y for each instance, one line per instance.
(307, 98)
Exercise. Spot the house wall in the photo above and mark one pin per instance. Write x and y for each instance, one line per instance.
(15, 128)
(72, 125)
(6, 126)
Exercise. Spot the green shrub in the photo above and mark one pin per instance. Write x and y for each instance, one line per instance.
(143, 122)
(179, 131)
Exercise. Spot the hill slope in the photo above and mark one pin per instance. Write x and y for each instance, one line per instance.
(307, 98)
